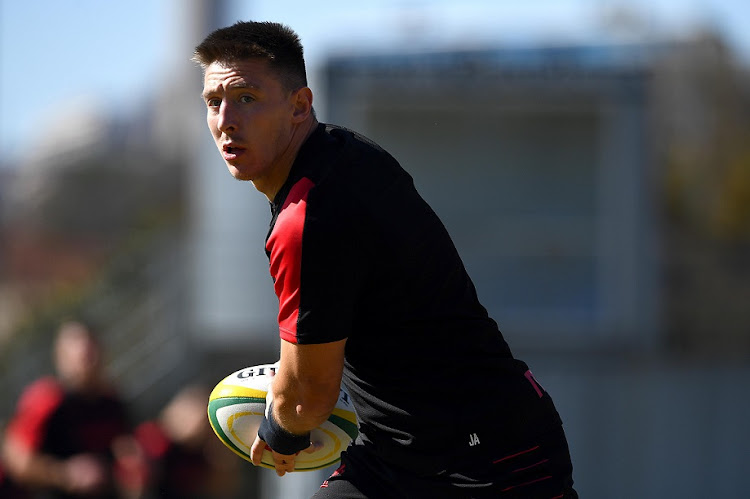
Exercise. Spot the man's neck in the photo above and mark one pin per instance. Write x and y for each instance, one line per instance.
(298, 139)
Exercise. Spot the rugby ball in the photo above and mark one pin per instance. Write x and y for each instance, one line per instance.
(236, 407)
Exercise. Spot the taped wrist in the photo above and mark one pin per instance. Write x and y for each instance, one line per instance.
(278, 439)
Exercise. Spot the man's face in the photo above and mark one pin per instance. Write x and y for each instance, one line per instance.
(77, 357)
(250, 116)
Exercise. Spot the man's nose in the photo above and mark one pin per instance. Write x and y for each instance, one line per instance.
(227, 118)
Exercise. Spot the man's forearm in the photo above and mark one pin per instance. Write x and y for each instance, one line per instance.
(298, 414)
(34, 468)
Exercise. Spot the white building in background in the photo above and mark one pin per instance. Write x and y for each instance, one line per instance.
(538, 162)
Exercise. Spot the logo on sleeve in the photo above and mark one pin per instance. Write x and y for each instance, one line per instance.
(473, 439)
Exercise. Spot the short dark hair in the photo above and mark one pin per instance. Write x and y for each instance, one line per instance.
(275, 42)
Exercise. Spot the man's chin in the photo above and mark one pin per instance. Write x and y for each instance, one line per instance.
(237, 174)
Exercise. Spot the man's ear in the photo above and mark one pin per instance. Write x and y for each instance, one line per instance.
(302, 100)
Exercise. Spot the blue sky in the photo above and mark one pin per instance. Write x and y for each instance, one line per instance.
(58, 54)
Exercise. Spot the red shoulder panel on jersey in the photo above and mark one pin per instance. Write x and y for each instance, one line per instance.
(285, 247)
(36, 405)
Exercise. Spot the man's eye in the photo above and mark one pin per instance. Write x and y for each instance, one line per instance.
(213, 102)
(246, 99)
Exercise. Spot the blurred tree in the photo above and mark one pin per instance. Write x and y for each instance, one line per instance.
(69, 211)
(702, 114)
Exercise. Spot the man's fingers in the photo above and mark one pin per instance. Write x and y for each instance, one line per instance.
(256, 451)
(280, 468)
(283, 463)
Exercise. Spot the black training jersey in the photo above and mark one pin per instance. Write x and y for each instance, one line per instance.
(356, 253)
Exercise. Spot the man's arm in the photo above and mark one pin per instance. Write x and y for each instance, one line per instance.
(305, 391)
(82, 473)
(307, 384)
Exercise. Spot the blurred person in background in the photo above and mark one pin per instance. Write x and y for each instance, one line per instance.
(372, 292)
(61, 441)
(186, 460)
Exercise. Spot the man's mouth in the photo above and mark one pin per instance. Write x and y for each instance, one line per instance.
(231, 152)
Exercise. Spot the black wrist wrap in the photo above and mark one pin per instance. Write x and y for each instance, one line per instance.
(278, 438)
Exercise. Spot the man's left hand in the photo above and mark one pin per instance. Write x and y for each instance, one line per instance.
(283, 463)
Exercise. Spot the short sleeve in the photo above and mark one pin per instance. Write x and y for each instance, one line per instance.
(284, 246)
(35, 407)
(315, 265)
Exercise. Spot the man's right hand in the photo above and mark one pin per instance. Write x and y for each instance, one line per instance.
(84, 474)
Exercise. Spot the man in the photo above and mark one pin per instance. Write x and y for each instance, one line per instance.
(187, 460)
(372, 291)
(62, 435)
